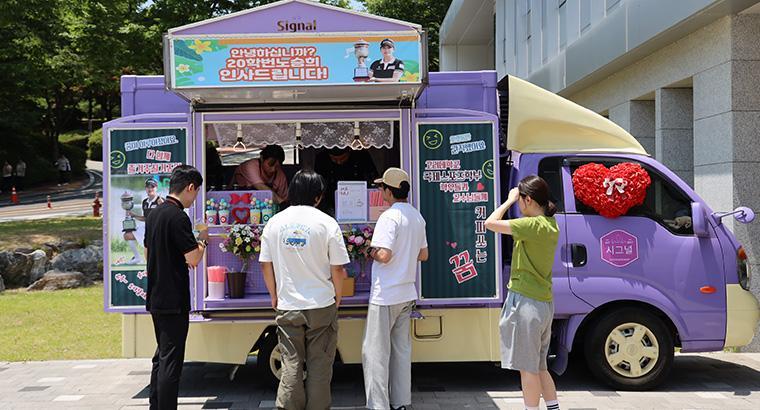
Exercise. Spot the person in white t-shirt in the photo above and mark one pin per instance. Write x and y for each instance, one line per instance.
(302, 257)
(398, 243)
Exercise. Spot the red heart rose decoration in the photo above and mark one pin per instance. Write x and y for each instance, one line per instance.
(611, 191)
(240, 215)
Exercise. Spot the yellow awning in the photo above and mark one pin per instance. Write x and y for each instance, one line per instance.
(541, 121)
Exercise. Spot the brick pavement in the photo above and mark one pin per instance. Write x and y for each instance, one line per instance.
(708, 381)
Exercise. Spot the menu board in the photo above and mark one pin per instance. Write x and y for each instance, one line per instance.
(139, 163)
(351, 201)
(457, 193)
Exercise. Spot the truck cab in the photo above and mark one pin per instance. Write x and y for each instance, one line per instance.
(630, 290)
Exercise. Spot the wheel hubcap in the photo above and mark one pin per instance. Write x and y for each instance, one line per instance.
(275, 362)
(632, 350)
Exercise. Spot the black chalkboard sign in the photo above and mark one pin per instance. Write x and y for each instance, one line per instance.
(457, 192)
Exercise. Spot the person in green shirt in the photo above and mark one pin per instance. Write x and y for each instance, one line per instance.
(526, 319)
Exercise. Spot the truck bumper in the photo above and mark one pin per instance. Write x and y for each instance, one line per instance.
(742, 315)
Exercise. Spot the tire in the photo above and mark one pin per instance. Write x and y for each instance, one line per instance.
(629, 349)
(268, 365)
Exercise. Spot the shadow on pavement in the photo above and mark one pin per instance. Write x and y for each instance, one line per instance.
(209, 382)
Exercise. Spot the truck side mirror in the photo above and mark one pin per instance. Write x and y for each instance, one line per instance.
(742, 214)
(699, 220)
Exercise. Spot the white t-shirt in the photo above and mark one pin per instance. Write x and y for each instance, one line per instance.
(302, 242)
(401, 229)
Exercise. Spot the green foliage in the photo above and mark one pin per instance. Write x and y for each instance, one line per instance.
(427, 13)
(95, 145)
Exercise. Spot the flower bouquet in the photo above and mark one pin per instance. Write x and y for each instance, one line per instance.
(357, 244)
(243, 241)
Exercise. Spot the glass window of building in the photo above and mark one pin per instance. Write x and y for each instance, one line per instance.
(611, 4)
(585, 15)
(562, 24)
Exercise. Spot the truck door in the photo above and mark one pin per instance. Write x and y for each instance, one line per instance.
(551, 170)
(650, 255)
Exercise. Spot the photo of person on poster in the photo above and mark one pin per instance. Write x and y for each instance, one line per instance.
(151, 201)
(388, 69)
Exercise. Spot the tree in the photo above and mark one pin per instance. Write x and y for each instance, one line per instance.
(427, 13)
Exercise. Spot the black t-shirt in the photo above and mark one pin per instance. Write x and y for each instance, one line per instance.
(168, 237)
(358, 167)
(381, 70)
(148, 206)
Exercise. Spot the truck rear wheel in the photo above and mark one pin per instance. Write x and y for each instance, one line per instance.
(630, 349)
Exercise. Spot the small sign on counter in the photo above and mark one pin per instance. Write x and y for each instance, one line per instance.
(351, 201)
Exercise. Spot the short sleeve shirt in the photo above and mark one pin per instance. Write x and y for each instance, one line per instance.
(302, 243)
(148, 205)
(401, 229)
(381, 69)
(533, 256)
(168, 237)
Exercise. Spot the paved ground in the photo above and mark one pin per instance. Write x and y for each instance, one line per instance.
(711, 381)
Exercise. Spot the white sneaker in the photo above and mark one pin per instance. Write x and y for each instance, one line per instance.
(135, 261)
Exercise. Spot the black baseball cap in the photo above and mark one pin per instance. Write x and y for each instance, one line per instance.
(150, 182)
(387, 42)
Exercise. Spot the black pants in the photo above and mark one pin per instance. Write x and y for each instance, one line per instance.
(171, 335)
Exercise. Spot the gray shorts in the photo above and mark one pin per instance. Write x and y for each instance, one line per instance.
(525, 327)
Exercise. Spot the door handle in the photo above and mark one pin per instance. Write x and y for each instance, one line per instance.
(578, 255)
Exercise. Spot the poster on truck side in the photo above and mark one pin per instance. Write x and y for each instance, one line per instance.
(457, 192)
(306, 60)
(140, 162)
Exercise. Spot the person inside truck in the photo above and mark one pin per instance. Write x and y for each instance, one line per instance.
(343, 164)
(526, 319)
(264, 173)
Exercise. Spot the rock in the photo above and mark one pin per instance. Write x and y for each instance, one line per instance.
(54, 280)
(52, 247)
(97, 242)
(39, 265)
(64, 245)
(14, 268)
(87, 260)
(23, 250)
(2, 284)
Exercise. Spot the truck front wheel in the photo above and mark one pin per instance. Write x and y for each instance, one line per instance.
(630, 349)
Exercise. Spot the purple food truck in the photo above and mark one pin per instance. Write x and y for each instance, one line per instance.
(632, 281)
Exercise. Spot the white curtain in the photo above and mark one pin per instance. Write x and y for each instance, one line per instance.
(376, 134)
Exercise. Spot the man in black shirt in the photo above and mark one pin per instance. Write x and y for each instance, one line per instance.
(171, 247)
(342, 164)
(388, 69)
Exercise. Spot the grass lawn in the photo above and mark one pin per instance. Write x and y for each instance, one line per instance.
(34, 233)
(58, 325)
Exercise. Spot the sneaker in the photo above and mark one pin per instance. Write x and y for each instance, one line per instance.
(135, 261)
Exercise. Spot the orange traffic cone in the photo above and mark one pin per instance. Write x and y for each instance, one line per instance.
(14, 195)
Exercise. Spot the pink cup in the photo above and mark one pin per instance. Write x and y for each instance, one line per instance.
(216, 276)
(216, 273)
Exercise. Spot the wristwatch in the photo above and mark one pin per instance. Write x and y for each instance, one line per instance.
(203, 243)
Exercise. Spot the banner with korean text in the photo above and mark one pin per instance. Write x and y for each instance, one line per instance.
(329, 59)
(140, 162)
(457, 192)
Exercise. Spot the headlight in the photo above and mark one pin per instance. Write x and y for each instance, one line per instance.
(743, 268)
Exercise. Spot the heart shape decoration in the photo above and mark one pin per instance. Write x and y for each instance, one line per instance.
(452, 244)
(611, 191)
(480, 186)
(240, 215)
